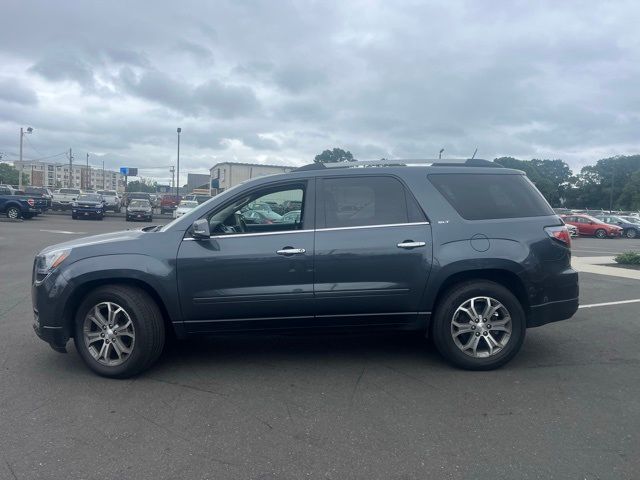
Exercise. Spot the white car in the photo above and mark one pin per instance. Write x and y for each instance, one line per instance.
(185, 207)
(112, 200)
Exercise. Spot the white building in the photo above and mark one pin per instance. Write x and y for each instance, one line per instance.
(228, 174)
(56, 175)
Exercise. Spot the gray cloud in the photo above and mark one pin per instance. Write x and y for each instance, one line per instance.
(284, 80)
(12, 91)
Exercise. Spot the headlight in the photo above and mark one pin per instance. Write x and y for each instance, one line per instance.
(47, 262)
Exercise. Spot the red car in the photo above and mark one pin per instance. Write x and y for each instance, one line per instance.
(168, 203)
(592, 227)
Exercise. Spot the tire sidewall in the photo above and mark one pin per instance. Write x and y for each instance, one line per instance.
(598, 233)
(135, 359)
(444, 316)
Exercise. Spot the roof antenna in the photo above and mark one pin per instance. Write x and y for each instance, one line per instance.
(474, 153)
(440, 154)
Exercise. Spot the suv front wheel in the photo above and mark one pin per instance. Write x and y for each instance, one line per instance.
(119, 331)
(479, 325)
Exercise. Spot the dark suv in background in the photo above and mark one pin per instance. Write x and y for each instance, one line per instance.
(467, 253)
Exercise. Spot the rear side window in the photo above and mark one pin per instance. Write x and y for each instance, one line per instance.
(367, 200)
(491, 196)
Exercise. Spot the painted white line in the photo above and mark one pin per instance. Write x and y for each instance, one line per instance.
(64, 231)
(606, 304)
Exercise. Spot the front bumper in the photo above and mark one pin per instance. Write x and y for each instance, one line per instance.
(48, 299)
(87, 212)
(140, 215)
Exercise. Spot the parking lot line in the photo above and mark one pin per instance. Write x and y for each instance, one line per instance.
(606, 304)
(66, 232)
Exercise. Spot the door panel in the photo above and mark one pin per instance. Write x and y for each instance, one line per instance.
(259, 277)
(233, 279)
(363, 276)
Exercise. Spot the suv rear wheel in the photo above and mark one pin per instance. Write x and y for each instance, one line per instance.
(119, 331)
(479, 325)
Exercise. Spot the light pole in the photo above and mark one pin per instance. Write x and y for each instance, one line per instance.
(22, 134)
(178, 169)
(440, 153)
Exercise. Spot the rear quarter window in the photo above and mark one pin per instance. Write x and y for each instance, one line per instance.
(491, 196)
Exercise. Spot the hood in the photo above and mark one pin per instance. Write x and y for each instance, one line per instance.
(103, 239)
(88, 202)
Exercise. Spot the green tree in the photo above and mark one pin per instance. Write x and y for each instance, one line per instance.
(333, 156)
(142, 185)
(551, 177)
(630, 196)
(9, 175)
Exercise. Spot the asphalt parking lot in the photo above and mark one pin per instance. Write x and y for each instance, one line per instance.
(291, 407)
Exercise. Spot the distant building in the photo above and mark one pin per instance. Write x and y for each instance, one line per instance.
(196, 180)
(228, 174)
(56, 175)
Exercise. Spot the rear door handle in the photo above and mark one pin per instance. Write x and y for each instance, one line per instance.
(290, 251)
(409, 244)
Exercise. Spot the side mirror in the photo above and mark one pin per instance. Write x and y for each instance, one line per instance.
(200, 229)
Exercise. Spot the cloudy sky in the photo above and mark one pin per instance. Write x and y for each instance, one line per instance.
(278, 81)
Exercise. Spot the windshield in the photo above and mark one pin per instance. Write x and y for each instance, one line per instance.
(107, 192)
(632, 219)
(139, 203)
(188, 204)
(90, 198)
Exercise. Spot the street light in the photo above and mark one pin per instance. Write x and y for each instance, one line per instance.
(22, 134)
(178, 169)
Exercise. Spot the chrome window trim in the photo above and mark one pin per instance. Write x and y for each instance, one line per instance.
(358, 227)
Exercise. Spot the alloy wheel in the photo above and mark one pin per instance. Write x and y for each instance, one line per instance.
(109, 334)
(481, 327)
(13, 213)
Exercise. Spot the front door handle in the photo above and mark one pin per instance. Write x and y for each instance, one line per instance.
(410, 244)
(290, 251)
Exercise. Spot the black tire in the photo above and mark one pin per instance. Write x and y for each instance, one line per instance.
(443, 317)
(127, 219)
(13, 213)
(147, 321)
(74, 217)
(631, 233)
(600, 233)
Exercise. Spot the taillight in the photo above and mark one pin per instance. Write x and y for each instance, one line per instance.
(31, 202)
(559, 233)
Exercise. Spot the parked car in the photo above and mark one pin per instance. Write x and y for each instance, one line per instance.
(41, 192)
(261, 217)
(111, 199)
(573, 230)
(128, 196)
(629, 228)
(139, 209)
(197, 197)
(185, 207)
(168, 203)
(16, 206)
(291, 217)
(592, 227)
(422, 251)
(63, 198)
(88, 205)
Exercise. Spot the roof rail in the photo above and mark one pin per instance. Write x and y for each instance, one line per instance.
(462, 162)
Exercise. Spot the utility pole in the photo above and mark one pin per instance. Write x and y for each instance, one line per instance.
(87, 176)
(22, 134)
(70, 169)
(172, 169)
(103, 179)
(178, 173)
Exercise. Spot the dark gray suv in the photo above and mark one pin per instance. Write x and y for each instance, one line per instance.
(469, 253)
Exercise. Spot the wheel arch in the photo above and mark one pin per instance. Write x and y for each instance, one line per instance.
(81, 291)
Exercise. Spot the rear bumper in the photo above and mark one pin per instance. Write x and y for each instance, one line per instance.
(552, 312)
